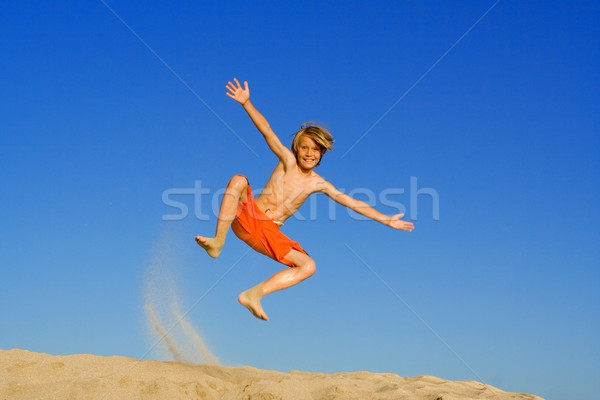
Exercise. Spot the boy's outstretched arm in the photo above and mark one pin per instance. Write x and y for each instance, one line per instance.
(364, 209)
(242, 96)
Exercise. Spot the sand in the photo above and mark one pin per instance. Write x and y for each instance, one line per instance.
(27, 375)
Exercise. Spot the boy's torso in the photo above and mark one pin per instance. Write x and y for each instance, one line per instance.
(286, 191)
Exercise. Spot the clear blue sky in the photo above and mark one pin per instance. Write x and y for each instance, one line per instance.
(505, 128)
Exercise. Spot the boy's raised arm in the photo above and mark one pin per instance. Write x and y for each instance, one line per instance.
(242, 96)
(364, 209)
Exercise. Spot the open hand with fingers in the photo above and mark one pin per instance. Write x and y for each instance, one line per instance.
(237, 93)
(396, 223)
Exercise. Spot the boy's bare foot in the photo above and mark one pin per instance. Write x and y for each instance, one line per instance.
(251, 300)
(212, 247)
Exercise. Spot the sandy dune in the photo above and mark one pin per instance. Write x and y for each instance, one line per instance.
(27, 375)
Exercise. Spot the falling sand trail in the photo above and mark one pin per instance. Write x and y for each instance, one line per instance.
(207, 356)
(164, 335)
(167, 324)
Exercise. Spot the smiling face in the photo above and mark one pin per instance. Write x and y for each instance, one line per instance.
(310, 144)
(309, 153)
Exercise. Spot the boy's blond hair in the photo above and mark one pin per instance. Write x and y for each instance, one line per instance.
(317, 133)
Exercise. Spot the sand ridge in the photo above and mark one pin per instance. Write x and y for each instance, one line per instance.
(28, 375)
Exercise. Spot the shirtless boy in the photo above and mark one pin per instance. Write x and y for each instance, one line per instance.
(257, 221)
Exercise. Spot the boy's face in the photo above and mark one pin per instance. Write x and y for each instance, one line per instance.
(309, 153)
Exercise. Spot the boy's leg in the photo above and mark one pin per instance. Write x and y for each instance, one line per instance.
(236, 191)
(304, 268)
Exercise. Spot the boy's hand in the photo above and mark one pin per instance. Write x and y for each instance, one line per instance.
(237, 93)
(396, 223)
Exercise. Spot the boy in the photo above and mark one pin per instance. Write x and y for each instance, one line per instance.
(257, 221)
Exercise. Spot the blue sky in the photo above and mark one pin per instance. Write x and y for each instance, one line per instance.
(94, 128)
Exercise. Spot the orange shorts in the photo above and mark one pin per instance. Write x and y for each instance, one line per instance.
(259, 231)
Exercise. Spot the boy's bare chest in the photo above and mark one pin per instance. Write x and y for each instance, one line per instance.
(287, 191)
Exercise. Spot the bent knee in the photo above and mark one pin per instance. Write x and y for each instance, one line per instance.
(238, 182)
(308, 268)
